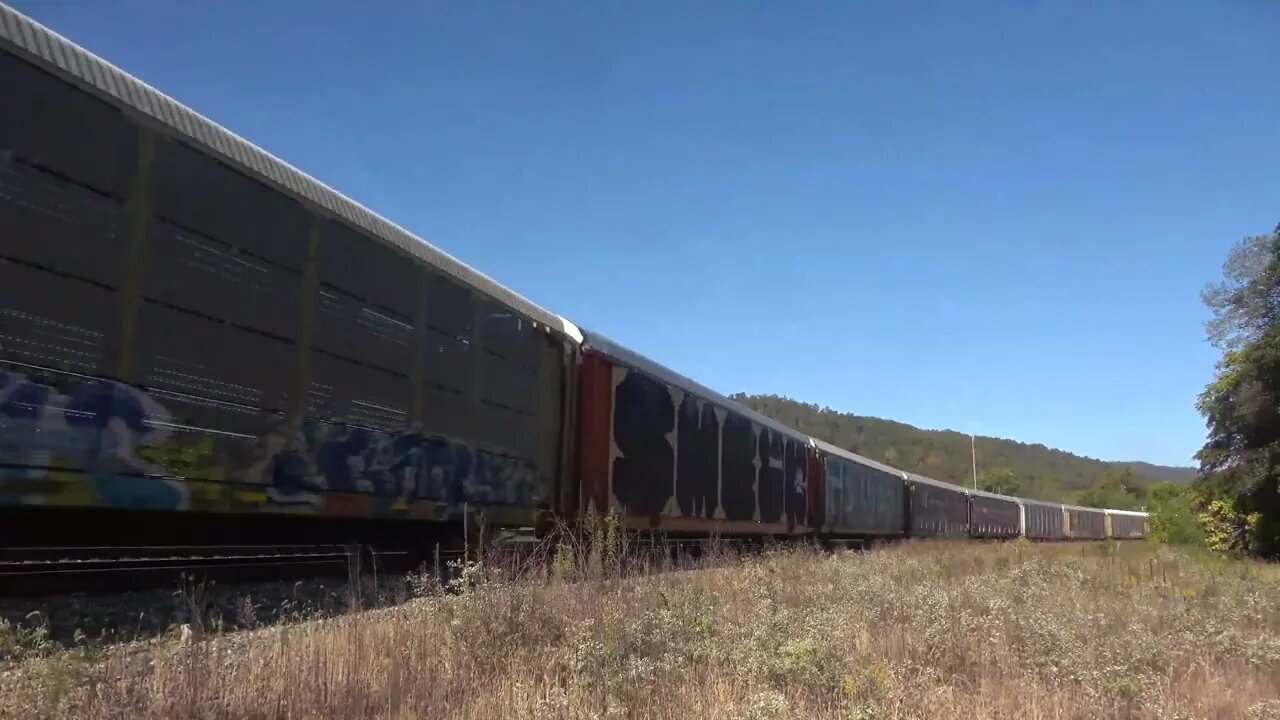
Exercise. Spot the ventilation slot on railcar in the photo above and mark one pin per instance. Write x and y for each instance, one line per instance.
(348, 327)
(56, 322)
(219, 259)
(48, 343)
(377, 415)
(53, 223)
(391, 329)
(350, 393)
(205, 359)
(197, 379)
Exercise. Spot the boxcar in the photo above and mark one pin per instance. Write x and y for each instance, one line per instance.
(993, 516)
(668, 453)
(936, 509)
(863, 497)
(1084, 523)
(1042, 520)
(1126, 524)
(194, 325)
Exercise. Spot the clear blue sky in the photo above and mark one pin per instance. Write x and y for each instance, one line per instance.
(993, 217)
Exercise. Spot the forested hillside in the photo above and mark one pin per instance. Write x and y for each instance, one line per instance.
(1031, 470)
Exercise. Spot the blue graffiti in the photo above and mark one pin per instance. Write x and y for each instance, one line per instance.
(55, 423)
(419, 466)
(503, 479)
(57, 427)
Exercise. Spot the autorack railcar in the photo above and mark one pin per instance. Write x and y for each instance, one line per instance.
(1042, 520)
(1123, 524)
(1084, 523)
(192, 326)
(864, 498)
(669, 453)
(992, 515)
(936, 509)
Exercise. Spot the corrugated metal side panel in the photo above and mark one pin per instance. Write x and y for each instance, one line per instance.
(993, 516)
(1043, 520)
(1086, 523)
(29, 39)
(938, 509)
(1127, 523)
(863, 503)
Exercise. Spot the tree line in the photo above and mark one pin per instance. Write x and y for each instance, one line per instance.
(1233, 505)
(1005, 466)
(1237, 494)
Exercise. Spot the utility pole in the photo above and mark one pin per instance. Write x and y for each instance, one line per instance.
(973, 452)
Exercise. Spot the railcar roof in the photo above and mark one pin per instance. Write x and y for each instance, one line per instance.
(1130, 513)
(33, 42)
(993, 496)
(1082, 508)
(854, 457)
(1046, 503)
(633, 359)
(916, 477)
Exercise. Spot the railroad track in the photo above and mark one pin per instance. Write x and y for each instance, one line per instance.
(58, 570)
(33, 571)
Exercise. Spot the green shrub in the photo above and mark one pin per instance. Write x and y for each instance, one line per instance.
(1174, 517)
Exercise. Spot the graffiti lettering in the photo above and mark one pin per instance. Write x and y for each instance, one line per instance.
(643, 416)
(795, 497)
(698, 458)
(737, 468)
(68, 439)
(771, 473)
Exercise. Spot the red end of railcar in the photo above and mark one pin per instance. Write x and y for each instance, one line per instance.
(595, 423)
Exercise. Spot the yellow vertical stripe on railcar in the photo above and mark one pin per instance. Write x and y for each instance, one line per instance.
(306, 319)
(418, 366)
(139, 205)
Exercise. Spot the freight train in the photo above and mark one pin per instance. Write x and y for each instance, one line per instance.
(199, 343)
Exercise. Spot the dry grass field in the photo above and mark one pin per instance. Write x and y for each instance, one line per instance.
(922, 630)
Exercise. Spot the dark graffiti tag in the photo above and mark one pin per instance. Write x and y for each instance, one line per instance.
(771, 474)
(795, 490)
(644, 414)
(698, 459)
(723, 465)
(738, 468)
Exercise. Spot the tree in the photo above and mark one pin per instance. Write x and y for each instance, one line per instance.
(1246, 303)
(1119, 489)
(1000, 480)
(1228, 530)
(1240, 460)
(1174, 517)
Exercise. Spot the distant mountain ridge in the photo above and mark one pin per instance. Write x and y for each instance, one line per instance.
(1046, 473)
(1160, 472)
